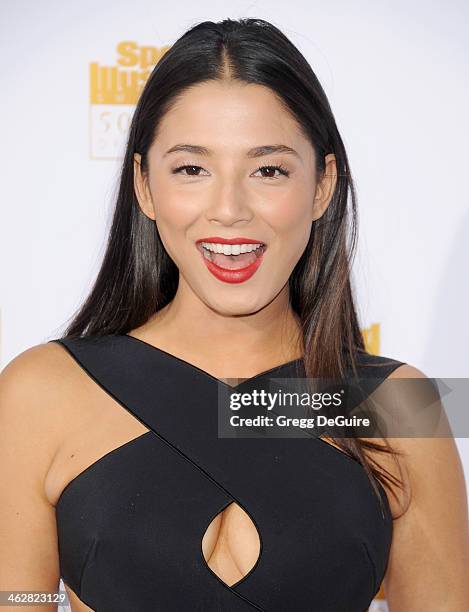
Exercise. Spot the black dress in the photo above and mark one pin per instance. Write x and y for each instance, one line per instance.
(130, 525)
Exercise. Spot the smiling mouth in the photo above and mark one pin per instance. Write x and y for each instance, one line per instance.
(231, 256)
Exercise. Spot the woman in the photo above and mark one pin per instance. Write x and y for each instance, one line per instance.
(227, 259)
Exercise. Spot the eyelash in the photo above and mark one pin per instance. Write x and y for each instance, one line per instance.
(283, 171)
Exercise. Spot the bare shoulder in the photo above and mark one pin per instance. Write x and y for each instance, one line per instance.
(32, 417)
(31, 398)
(427, 530)
(36, 374)
(407, 371)
(404, 404)
(37, 363)
(429, 457)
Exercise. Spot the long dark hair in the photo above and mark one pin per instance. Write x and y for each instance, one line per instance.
(138, 278)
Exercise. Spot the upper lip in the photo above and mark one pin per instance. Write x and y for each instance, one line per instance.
(237, 240)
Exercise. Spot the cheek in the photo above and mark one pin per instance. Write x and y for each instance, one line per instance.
(292, 227)
(174, 216)
(291, 221)
(174, 213)
(173, 209)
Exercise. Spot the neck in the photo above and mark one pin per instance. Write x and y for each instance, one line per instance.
(227, 345)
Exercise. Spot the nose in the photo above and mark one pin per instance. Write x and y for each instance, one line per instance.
(229, 204)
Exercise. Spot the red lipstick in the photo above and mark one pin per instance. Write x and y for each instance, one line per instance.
(228, 273)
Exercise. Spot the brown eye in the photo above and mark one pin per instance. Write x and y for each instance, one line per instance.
(191, 170)
(271, 171)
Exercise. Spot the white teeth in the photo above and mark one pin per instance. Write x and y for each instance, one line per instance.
(230, 249)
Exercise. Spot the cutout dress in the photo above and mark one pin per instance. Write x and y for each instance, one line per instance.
(130, 525)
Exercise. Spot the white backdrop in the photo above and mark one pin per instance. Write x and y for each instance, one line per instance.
(396, 77)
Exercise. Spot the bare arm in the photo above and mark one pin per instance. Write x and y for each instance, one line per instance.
(429, 562)
(28, 440)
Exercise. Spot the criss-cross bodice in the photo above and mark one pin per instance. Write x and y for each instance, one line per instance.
(130, 526)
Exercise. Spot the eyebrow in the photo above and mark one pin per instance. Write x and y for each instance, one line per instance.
(254, 152)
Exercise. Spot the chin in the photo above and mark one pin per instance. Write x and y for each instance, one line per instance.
(240, 306)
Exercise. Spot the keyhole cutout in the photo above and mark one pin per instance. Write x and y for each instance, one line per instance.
(231, 544)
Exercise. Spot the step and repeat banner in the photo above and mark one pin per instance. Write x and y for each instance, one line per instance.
(72, 74)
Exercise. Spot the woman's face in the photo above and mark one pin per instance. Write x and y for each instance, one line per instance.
(217, 173)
